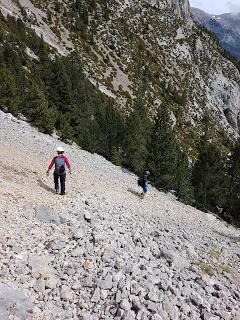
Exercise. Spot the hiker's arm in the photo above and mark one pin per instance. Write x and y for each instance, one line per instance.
(68, 164)
(51, 165)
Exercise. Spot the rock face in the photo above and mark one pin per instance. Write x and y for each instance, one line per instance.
(151, 259)
(155, 42)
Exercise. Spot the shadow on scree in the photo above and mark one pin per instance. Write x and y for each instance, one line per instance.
(134, 192)
(45, 186)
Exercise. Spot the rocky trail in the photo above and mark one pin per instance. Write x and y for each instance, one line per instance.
(100, 252)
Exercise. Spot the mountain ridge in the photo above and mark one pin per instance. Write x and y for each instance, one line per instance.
(113, 41)
(225, 26)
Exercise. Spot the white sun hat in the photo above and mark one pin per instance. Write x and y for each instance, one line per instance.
(60, 149)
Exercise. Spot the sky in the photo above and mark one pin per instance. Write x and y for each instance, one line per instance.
(217, 6)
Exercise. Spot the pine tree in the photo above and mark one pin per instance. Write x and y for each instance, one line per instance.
(116, 157)
(162, 153)
(37, 111)
(60, 93)
(8, 91)
(183, 184)
(210, 177)
(234, 198)
(138, 135)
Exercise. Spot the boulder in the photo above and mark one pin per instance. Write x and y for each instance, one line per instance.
(47, 215)
(13, 299)
(40, 266)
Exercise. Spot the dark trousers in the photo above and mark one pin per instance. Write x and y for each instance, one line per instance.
(62, 178)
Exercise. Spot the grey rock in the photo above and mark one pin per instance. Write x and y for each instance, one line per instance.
(51, 283)
(47, 215)
(78, 234)
(236, 316)
(40, 286)
(173, 257)
(66, 293)
(136, 303)
(170, 308)
(106, 283)
(197, 299)
(88, 217)
(120, 313)
(156, 317)
(135, 288)
(71, 271)
(40, 266)
(76, 286)
(56, 244)
(129, 315)
(3, 313)
(96, 295)
(77, 252)
(104, 294)
(163, 284)
(154, 295)
(13, 299)
(118, 296)
(125, 305)
(163, 314)
(17, 249)
(143, 315)
(185, 308)
(152, 306)
(87, 282)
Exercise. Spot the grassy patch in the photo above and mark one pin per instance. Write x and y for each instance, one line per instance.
(225, 268)
(205, 267)
(214, 254)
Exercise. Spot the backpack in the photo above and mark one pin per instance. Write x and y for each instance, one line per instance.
(59, 165)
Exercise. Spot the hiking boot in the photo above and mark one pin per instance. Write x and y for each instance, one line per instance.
(62, 193)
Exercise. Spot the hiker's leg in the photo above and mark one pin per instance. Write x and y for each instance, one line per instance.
(56, 181)
(63, 180)
(145, 190)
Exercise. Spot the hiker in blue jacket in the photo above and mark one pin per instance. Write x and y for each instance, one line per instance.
(142, 182)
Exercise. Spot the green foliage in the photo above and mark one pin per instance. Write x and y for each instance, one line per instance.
(210, 178)
(116, 157)
(214, 254)
(234, 194)
(225, 268)
(57, 6)
(205, 267)
(169, 166)
(80, 16)
(36, 109)
(162, 157)
(8, 91)
(138, 135)
(183, 174)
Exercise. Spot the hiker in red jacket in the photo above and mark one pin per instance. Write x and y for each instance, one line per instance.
(60, 162)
